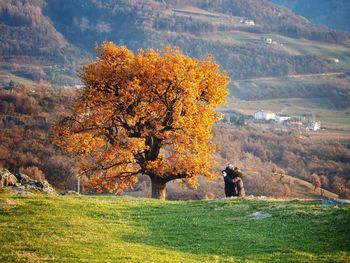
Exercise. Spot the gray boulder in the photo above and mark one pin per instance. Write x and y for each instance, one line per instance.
(48, 189)
(20, 190)
(260, 215)
(7, 178)
(334, 202)
(41, 186)
(23, 178)
(23, 184)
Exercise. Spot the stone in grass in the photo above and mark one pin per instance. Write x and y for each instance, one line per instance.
(7, 178)
(334, 201)
(21, 190)
(41, 186)
(260, 215)
(70, 193)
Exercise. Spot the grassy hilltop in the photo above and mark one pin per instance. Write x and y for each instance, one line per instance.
(113, 229)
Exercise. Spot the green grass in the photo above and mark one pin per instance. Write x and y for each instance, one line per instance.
(293, 46)
(6, 77)
(119, 229)
(322, 109)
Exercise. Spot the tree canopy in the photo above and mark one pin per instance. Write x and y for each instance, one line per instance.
(147, 113)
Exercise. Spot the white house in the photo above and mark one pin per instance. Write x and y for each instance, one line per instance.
(268, 40)
(280, 118)
(315, 126)
(248, 22)
(264, 115)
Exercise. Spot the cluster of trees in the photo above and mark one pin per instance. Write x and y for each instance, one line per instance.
(335, 17)
(29, 37)
(26, 115)
(185, 24)
(44, 29)
(24, 28)
(251, 59)
(274, 18)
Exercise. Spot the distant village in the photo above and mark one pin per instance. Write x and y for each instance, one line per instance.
(283, 121)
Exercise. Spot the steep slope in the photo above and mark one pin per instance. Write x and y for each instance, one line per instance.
(336, 15)
(198, 28)
(250, 38)
(29, 44)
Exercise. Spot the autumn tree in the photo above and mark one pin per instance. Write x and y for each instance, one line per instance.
(148, 113)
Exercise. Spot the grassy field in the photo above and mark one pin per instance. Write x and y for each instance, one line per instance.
(120, 229)
(320, 109)
(292, 46)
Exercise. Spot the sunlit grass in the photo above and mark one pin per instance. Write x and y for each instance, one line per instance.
(111, 229)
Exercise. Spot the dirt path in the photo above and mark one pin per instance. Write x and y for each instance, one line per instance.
(294, 76)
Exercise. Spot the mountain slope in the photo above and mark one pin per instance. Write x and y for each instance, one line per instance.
(250, 38)
(198, 28)
(336, 15)
(30, 44)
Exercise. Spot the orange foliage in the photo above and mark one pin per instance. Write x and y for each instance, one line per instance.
(150, 113)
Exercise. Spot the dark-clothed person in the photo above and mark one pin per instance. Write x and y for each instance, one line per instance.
(233, 181)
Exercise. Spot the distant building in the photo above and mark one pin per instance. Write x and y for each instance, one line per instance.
(247, 22)
(264, 115)
(267, 40)
(314, 126)
(280, 118)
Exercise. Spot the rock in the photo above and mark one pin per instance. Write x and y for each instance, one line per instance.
(41, 186)
(70, 193)
(23, 184)
(23, 178)
(34, 184)
(48, 189)
(7, 178)
(20, 190)
(259, 215)
(334, 201)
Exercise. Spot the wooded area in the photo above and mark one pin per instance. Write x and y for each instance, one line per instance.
(27, 114)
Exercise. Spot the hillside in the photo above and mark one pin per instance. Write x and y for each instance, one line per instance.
(277, 60)
(336, 17)
(27, 114)
(198, 27)
(110, 229)
(31, 47)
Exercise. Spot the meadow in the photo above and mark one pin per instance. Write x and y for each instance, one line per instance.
(36, 228)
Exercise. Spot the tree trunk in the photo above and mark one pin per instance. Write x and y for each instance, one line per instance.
(158, 188)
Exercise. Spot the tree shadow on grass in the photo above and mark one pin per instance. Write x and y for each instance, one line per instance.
(228, 229)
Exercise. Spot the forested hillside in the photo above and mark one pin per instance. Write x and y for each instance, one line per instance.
(268, 51)
(336, 17)
(51, 31)
(30, 45)
(28, 113)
